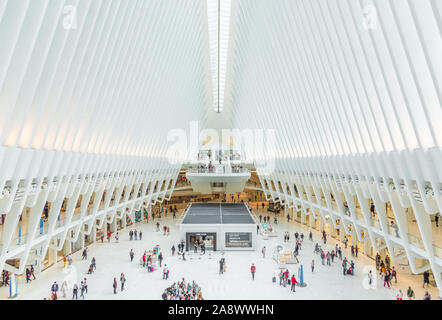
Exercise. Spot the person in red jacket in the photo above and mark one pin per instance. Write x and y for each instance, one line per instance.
(286, 277)
(293, 282)
(253, 270)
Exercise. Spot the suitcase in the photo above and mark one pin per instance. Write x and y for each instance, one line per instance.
(274, 279)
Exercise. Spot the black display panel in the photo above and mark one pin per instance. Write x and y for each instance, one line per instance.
(238, 239)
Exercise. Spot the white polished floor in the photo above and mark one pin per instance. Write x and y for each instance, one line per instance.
(327, 282)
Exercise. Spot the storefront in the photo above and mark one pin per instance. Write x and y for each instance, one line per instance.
(220, 226)
(209, 240)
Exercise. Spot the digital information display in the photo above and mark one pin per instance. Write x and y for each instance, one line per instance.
(238, 239)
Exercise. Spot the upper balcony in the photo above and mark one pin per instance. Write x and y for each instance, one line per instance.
(218, 178)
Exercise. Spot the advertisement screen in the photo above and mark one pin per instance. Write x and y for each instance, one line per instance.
(238, 239)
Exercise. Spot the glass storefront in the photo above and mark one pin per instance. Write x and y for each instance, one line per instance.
(209, 240)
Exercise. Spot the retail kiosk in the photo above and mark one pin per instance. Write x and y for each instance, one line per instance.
(221, 226)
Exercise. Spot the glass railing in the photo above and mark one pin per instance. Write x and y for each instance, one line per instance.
(218, 170)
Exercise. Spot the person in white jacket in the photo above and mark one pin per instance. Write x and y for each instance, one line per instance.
(399, 295)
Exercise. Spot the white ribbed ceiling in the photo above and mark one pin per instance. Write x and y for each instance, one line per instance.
(133, 70)
(128, 73)
(331, 86)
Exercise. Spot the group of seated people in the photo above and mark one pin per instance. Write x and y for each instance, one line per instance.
(182, 291)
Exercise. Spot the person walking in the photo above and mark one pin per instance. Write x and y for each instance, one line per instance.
(426, 279)
(387, 279)
(131, 254)
(313, 265)
(123, 281)
(264, 252)
(116, 237)
(160, 258)
(173, 250)
(253, 270)
(84, 254)
(82, 289)
(310, 236)
(141, 235)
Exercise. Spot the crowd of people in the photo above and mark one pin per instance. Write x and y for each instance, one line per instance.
(182, 291)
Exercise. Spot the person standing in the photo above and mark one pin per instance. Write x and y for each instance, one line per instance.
(310, 236)
(399, 295)
(370, 278)
(427, 296)
(410, 293)
(85, 284)
(264, 252)
(165, 272)
(93, 263)
(75, 292)
(141, 234)
(253, 270)
(131, 254)
(123, 281)
(394, 275)
(221, 266)
(64, 287)
(293, 283)
(54, 287)
(313, 265)
(436, 219)
(115, 285)
(173, 250)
